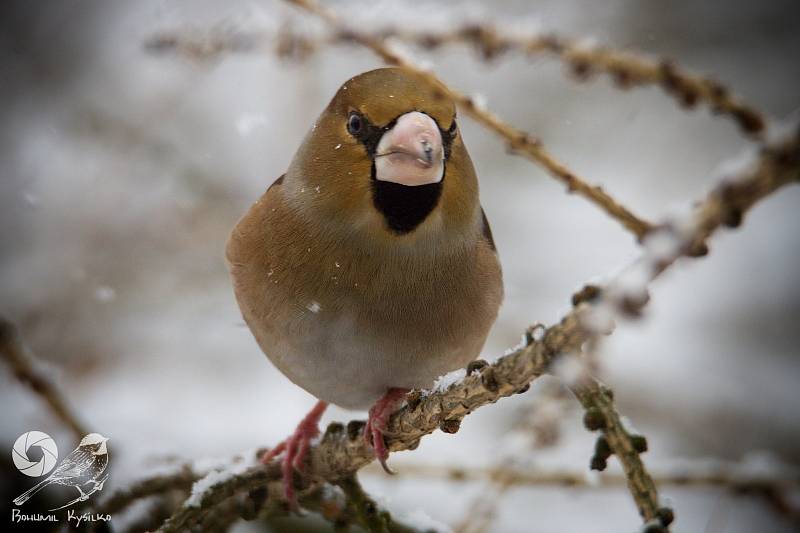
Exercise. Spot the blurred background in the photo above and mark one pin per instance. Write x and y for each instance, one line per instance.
(122, 172)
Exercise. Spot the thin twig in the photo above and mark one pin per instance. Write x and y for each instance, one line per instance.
(538, 422)
(365, 512)
(737, 479)
(24, 367)
(627, 69)
(188, 516)
(154, 485)
(219, 502)
(733, 477)
(598, 400)
(481, 513)
(730, 476)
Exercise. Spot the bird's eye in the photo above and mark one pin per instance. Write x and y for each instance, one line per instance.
(453, 128)
(355, 124)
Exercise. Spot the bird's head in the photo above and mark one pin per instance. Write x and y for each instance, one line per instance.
(386, 155)
(95, 442)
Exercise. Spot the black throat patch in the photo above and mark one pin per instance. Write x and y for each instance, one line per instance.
(404, 207)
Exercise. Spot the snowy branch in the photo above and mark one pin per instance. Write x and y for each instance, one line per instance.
(362, 510)
(602, 415)
(181, 479)
(224, 496)
(342, 450)
(627, 69)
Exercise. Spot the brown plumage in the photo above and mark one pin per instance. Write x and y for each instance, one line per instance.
(369, 265)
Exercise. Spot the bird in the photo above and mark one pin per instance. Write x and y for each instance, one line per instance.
(85, 464)
(369, 268)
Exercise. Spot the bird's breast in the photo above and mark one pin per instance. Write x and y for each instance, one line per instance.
(346, 322)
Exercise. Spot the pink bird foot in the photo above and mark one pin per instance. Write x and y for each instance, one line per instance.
(296, 448)
(377, 421)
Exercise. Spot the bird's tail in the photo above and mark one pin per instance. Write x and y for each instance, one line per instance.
(25, 496)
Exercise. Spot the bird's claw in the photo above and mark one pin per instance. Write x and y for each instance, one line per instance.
(99, 484)
(376, 424)
(374, 437)
(295, 449)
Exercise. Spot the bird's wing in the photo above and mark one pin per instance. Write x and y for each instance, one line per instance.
(487, 231)
(277, 182)
(240, 249)
(73, 464)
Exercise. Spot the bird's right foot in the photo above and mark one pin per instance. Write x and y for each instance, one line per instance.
(378, 419)
(295, 449)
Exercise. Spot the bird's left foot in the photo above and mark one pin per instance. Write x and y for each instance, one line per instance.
(99, 483)
(295, 449)
(377, 421)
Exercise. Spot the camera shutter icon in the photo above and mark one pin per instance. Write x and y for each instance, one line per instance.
(22, 448)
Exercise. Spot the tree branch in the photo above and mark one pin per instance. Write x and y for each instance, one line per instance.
(364, 511)
(731, 476)
(627, 69)
(155, 485)
(342, 451)
(601, 414)
(24, 367)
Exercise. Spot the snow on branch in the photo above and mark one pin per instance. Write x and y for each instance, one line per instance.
(342, 451)
(583, 58)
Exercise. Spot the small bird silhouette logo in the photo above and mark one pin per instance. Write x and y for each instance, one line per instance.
(85, 464)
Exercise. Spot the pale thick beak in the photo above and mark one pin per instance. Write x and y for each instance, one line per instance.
(411, 152)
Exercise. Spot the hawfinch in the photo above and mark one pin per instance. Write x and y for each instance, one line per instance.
(369, 268)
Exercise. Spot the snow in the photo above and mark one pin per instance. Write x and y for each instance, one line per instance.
(249, 122)
(781, 129)
(763, 464)
(519, 346)
(31, 199)
(202, 485)
(632, 282)
(420, 520)
(592, 477)
(480, 101)
(599, 318)
(570, 368)
(104, 294)
(217, 476)
(443, 383)
(662, 245)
